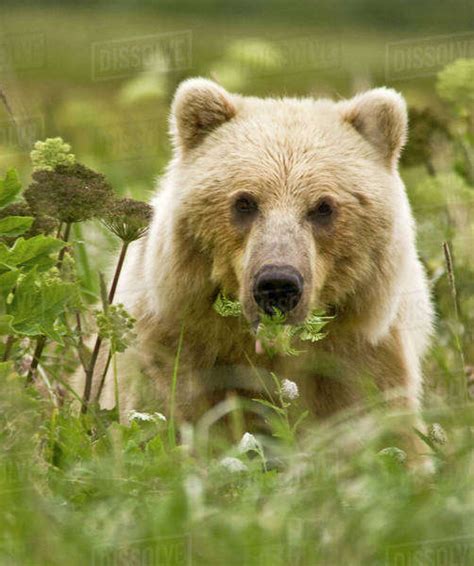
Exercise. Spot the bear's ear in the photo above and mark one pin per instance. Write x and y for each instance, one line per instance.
(199, 106)
(380, 116)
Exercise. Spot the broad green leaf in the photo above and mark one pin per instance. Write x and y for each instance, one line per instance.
(34, 252)
(13, 226)
(10, 187)
(7, 281)
(38, 303)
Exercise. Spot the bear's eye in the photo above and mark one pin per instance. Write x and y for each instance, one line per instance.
(245, 205)
(323, 212)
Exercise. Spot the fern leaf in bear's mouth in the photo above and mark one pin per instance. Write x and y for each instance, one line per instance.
(272, 335)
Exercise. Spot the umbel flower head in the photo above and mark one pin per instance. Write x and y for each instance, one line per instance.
(48, 154)
(116, 325)
(70, 193)
(41, 224)
(289, 390)
(128, 219)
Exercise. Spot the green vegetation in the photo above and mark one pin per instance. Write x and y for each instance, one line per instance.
(79, 487)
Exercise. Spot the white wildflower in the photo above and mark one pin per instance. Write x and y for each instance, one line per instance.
(145, 417)
(289, 389)
(248, 443)
(436, 434)
(233, 465)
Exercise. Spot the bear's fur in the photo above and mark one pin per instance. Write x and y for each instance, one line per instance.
(287, 154)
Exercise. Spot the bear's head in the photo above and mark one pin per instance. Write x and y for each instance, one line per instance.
(295, 203)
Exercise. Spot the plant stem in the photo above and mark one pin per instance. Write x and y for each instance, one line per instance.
(118, 271)
(8, 347)
(67, 233)
(462, 393)
(171, 426)
(98, 342)
(41, 340)
(40, 344)
(102, 379)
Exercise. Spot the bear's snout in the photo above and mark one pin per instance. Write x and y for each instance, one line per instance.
(277, 287)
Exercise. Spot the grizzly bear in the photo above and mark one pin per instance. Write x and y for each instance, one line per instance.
(288, 203)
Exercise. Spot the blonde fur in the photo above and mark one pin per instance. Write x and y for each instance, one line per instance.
(288, 153)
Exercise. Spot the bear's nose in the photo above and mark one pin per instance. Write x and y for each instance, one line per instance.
(277, 287)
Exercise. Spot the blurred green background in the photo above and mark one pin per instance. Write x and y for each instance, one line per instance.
(49, 64)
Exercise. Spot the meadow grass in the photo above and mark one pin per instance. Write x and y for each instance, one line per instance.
(80, 489)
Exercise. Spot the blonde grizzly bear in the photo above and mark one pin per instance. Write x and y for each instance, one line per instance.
(294, 203)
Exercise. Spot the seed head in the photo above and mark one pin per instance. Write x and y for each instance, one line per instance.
(70, 193)
(128, 219)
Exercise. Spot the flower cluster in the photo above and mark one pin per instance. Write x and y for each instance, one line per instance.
(70, 193)
(47, 155)
(116, 325)
(437, 434)
(248, 443)
(145, 417)
(289, 390)
(128, 219)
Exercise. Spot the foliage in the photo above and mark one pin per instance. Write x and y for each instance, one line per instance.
(95, 490)
(456, 85)
(274, 335)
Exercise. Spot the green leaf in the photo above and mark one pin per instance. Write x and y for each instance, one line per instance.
(38, 303)
(227, 307)
(7, 281)
(10, 187)
(34, 252)
(5, 324)
(266, 403)
(13, 226)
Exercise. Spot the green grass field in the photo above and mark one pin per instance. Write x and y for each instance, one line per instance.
(85, 489)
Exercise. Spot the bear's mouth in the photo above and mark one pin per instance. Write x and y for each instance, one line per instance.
(275, 334)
